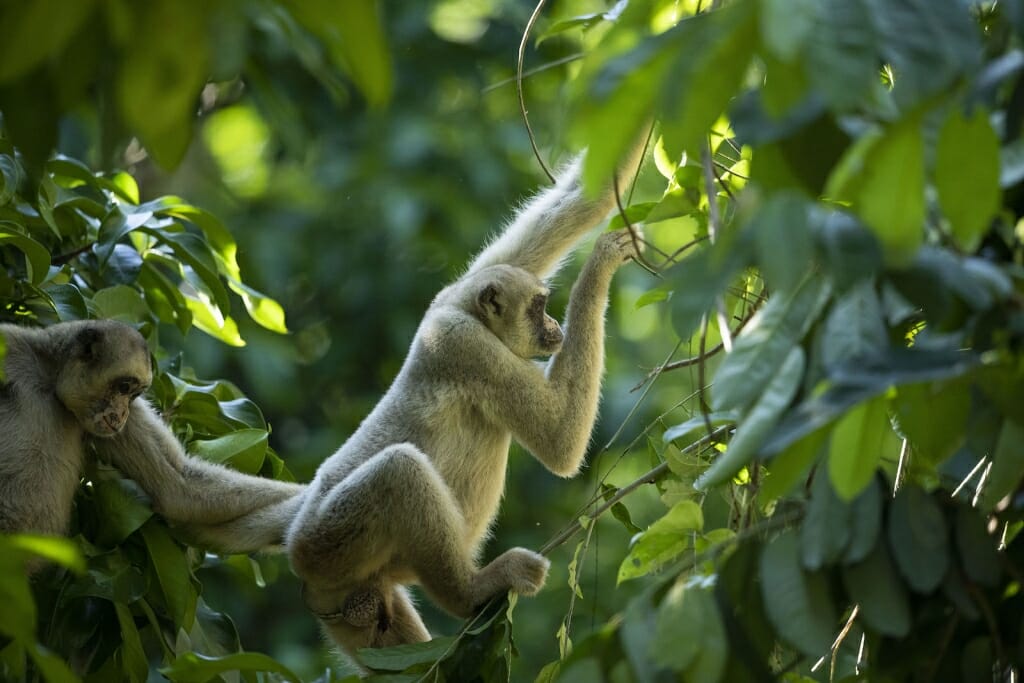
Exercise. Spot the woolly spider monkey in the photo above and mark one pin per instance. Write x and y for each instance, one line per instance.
(78, 385)
(410, 496)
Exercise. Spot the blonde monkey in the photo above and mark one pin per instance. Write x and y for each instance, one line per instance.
(410, 497)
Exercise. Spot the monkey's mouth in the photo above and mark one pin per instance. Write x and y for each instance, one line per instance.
(107, 424)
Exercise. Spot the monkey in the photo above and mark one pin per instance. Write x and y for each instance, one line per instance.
(79, 385)
(410, 497)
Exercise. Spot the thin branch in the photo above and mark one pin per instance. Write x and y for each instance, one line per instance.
(519, 87)
(648, 477)
(534, 71)
(638, 255)
(70, 256)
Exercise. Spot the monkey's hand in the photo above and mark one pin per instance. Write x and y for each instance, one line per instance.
(619, 246)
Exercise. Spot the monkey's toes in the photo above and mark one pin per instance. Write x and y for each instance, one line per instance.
(527, 570)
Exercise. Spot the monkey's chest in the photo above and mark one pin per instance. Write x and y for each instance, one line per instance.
(471, 456)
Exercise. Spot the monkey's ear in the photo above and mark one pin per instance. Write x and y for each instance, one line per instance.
(87, 343)
(489, 301)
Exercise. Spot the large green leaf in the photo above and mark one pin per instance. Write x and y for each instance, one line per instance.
(37, 257)
(874, 585)
(826, 529)
(798, 604)
(713, 53)
(917, 538)
(244, 449)
(882, 175)
(856, 447)
(170, 563)
(401, 657)
(979, 554)
(663, 541)
(690, 637)
(967, 175)
(933, 417)
(1007, 464)
(32, 31)
(193, 667)
(855, 327)
(758, 422)
(765, 343)
(355, 40)
(842, 50)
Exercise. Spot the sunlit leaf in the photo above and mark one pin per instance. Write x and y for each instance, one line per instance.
(856, 447)
(663, 541)
(262, 309)
(1007, 465)
(244, 449)
(967, 175)
(193, 667)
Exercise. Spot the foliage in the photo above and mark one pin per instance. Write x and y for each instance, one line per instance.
(836, 237)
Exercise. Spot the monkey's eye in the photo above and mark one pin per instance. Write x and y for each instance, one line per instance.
(126, 387)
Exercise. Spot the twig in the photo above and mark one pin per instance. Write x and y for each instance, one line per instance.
(533, 72)
(64, 258)
(638, 254)
(648, 477)
(519, 87)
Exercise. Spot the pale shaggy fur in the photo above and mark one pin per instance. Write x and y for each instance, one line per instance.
(410, 497)
(77, 384)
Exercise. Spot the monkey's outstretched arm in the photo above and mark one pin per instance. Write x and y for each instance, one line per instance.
(221, 508)
(550, 413)
(549, 225)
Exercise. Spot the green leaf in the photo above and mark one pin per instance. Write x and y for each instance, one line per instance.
(699, 424)
(979, 552)
(798, 604)
(171, 565)
(121, 303)
(882, 174)
(766, 342)
(855, 327)
(826, 529)
(714, 51)
(211, 320)
(967, 175)
(786, 25)
(55, 549)
(10, 177)
(114, 227)
(355, 40)
(32, 31)
(158, 88)
(122, 505)
(262, 309)
(698, 280)
(842, 49)
(874, 585)
(663, 541)
(1007, 465)
(689, 637)
(792, 465)
(865, 523)
(855, 448)
(401, 657)
(37, 257)
(783, 240)
(133, 657)
(933, 417)
(244, 449)
(917, 538)
(17, 607)
(758, 423)
(53, 668)
(193, 667)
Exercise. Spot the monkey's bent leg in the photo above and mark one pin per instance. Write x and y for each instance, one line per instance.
(395, 512)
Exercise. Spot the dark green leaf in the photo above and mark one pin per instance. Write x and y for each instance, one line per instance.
(401, 657)
(32, 31)
(1007, 465)
(842, 50)
(917, 538)
(782, 237)
(122, 505)
(758, 422)
(979, 554)
(689, 637)
(171, 565)
(855, 327)
(865, 522)
(874, 585)
(193, 667)
(798, 604)
(766, 341)
(826, 529)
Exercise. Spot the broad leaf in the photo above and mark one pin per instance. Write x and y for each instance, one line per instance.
(856, 447)
(967, 175)
(917, 538)
(874, 585)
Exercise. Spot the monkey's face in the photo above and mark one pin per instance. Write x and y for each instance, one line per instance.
(512, 305)
(108, 367)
